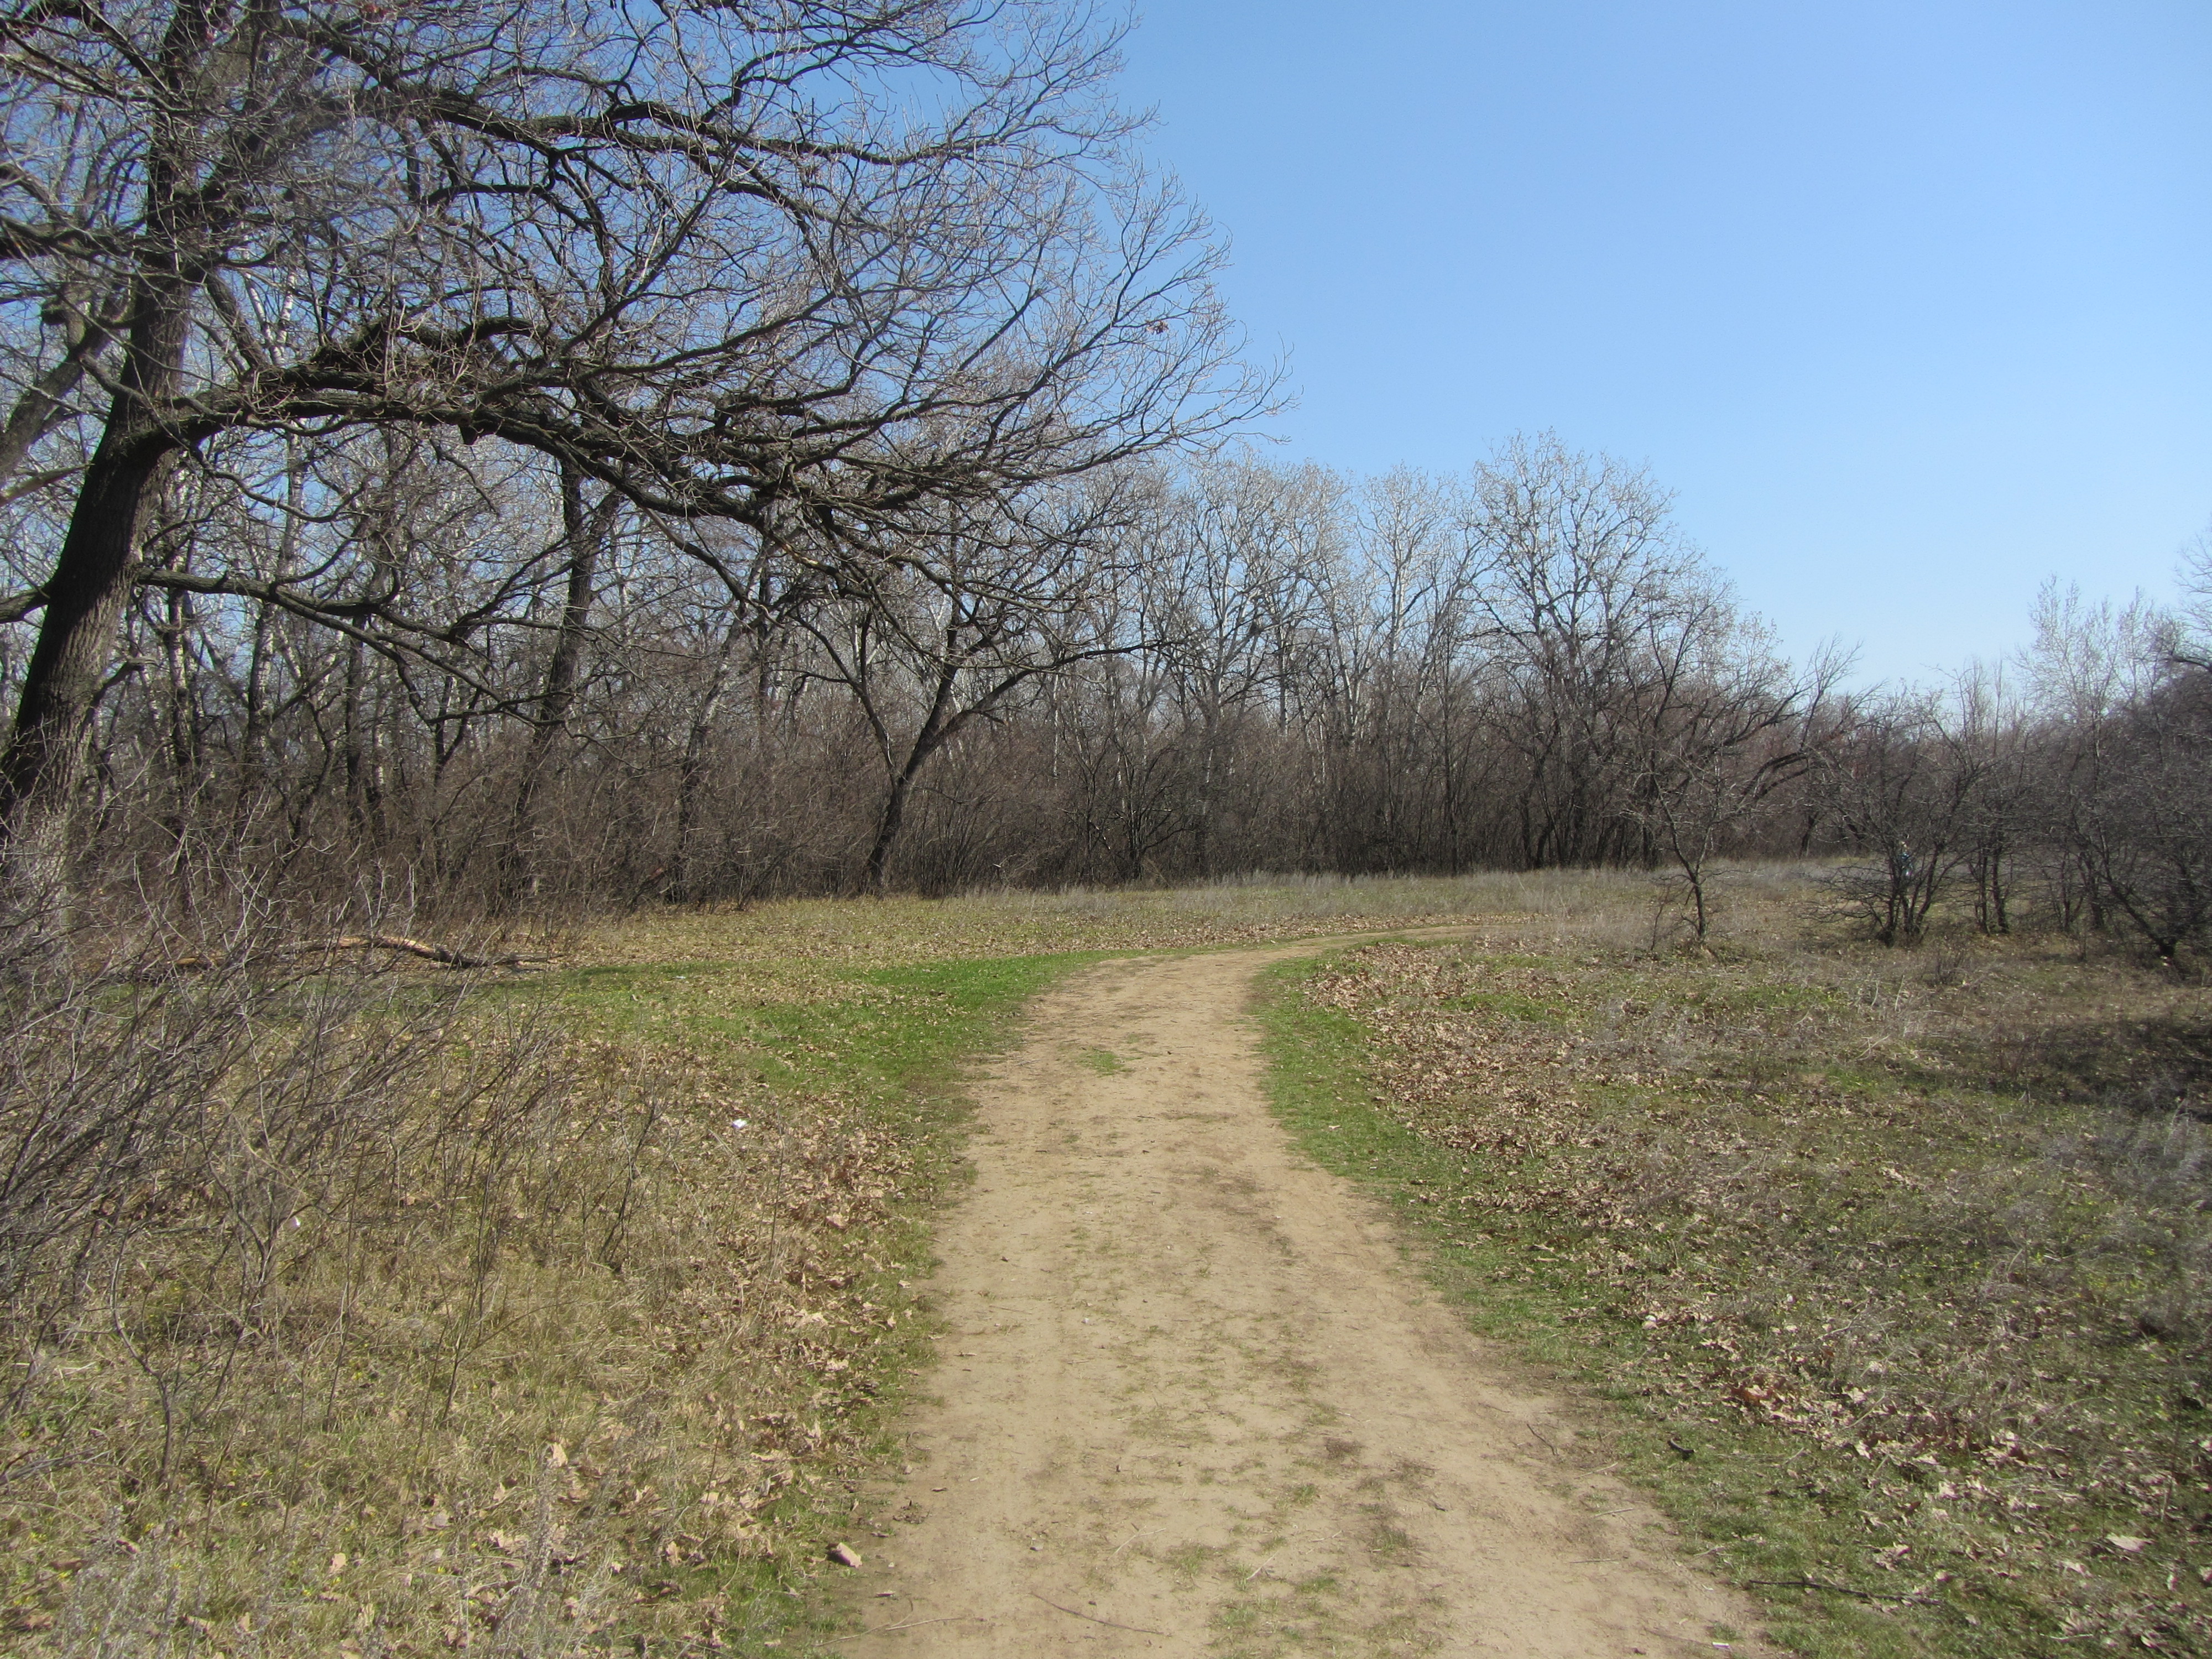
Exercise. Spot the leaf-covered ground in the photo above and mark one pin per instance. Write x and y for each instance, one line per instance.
(1908, 1255)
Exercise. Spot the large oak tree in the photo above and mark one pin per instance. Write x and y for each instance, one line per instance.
(796, 262)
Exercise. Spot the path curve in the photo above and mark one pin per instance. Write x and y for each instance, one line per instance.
(1193, 1400)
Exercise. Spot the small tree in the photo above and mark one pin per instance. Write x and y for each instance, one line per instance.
(1902, 785)
(992, 605)
(2145, 827)
(1731, 726)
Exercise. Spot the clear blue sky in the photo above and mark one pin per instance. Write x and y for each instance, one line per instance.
(1910, 304)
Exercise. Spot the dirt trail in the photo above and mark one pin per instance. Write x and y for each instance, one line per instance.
(1195, 1401)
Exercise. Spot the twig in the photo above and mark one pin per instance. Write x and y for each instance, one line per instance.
(1140, 1629)
(915, 1624)
(25, 1471)
(444, 954)
(1818, 1584)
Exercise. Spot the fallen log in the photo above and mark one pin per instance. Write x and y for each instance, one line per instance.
(444, 954)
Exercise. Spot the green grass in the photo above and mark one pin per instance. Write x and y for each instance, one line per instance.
(884, 1034)
(893, 1043)
(1653, 1213)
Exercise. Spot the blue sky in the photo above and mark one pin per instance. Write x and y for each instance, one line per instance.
(1911, 305)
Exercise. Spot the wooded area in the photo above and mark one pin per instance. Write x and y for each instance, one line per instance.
(530, 456)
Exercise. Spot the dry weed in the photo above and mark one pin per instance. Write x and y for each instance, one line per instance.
(353, 1314)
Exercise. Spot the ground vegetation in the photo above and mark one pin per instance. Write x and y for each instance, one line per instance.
(1890, 1267)
(359, 1302)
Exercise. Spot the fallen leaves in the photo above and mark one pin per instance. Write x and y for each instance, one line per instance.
(1916, 1285)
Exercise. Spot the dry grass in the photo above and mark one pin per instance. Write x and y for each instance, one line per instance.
(428, 1316)
(1911, 1247)
(515, 1355)
(1913, 1250)
(793, 940)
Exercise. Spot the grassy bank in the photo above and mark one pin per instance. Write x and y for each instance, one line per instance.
(1887, 1271)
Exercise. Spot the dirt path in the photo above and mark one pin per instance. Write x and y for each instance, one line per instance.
(1196, 1402)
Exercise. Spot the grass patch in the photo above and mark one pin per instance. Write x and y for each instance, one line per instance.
(1913, 1267)
(424, 1316)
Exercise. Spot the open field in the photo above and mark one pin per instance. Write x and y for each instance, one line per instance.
(1905, 1251)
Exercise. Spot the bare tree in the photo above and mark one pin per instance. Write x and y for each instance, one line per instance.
(2192, 634)
(1586, 591)
(999, 603)
(2127, 763)
(851, 262)
(1729, 726)
(1240, 552)
(585, 535)
(2147, 830)
(1902, 786)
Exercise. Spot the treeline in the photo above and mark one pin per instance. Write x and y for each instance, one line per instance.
(1174, 676)
(681, 462)
(2070, 787)
(1162, 675)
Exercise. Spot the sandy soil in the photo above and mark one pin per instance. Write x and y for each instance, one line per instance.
(1197, 1402)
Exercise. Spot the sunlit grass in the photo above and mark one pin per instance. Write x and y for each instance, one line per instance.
(1914, 1263)
(651, 1434)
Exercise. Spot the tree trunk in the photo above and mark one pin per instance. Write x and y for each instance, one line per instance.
(585, 535)
(253, 744)
(76, 634)
(878, 874)
(691, 773)
(92, 577)
(1201, 823)
(364, 784)
(936, 730)
(253, 739)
